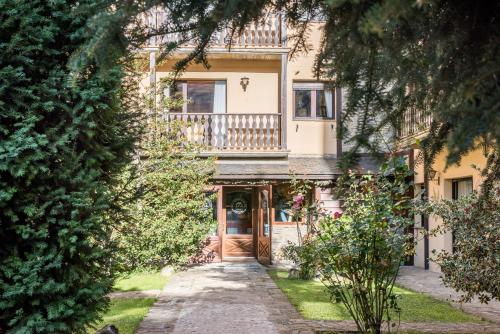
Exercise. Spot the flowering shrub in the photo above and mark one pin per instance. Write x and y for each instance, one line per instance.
(360, 250)
(473, 267)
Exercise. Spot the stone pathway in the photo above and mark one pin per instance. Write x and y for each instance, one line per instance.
(429, 282)
(241, 298)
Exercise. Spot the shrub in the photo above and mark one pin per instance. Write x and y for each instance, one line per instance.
(171, 220)
(65, 134)
(303, 256)
(472, 267)
(361, 249)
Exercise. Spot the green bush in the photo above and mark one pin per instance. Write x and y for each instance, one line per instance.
(304, 257)
(171, 220)
(65, 134)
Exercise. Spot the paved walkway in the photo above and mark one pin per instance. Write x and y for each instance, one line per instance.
(421, 280)
(240, 298)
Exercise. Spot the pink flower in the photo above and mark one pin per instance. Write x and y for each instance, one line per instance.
(337, 215)
(298, 201)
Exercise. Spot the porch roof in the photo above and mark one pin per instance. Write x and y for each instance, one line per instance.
(314, 168)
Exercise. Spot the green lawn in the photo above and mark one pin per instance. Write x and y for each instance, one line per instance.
(141, 282)
(126, 314)
(312, 300)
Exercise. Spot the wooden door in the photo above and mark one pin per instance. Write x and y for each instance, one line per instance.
(238, 227)
(264, 225)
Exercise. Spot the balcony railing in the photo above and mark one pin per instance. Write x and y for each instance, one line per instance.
(230, 131)
(268, 34)
(414, 122)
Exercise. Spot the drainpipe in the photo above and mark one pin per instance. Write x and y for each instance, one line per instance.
(426, 218)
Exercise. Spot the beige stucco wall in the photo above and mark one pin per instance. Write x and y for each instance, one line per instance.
(443, 190)
(304, 137)
(262, 92)
(308, 137)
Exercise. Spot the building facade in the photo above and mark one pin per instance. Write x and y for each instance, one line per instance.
(267, 119)
(440, 182)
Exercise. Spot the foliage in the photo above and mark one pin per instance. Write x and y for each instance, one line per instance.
(472, 267)
(311, 300)
(361, 249)
(391, 56)
(67, 128)
(304, 211)
(171, 220)
(140, 281)
(303, 256)
(126, 314)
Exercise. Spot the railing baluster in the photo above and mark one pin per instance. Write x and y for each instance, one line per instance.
(229, 131)
(268, 131)
(265, 33)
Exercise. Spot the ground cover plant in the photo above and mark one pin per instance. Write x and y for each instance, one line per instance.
(125, 313)
(312, 300)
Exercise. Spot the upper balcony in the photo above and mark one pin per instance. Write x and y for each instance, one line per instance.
(269, 34)
(414, 124)
(230, 132)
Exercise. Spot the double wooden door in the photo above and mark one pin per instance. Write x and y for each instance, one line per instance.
(247, 223)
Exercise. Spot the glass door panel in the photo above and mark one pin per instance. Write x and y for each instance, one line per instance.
(239, 212)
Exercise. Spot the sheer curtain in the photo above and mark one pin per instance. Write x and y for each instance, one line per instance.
(329, 104)
(219, 128)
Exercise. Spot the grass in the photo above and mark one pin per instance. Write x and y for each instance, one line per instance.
(125, 314)
(141, 281)
(312, 300)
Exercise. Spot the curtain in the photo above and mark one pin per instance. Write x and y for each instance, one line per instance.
(329, 104)
(220, 108)
(220, 97)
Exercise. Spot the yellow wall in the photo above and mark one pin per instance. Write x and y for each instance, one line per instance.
(308, 137)
(442, 190)
(262, 91)
(304, 137)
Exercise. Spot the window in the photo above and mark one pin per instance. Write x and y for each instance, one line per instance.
(200, 96)
(313, 100)
(211, 206)
(282, 201)
(461, 187)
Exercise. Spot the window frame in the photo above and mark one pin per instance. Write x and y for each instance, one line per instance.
(313, 87)
(184, 90)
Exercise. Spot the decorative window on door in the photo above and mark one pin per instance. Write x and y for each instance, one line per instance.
(238, 206)
(264, 198)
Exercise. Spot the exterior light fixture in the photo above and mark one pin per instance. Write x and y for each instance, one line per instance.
(244, 83)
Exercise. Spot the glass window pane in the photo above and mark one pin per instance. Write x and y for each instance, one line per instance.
(324, 104)
(239, 212)
(302, 103)
(200, 95)
(281, 200)
(177, 94)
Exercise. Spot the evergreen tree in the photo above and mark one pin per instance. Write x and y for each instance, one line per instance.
(67, 128)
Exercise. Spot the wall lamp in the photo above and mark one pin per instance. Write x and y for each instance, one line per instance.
(244, 83)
